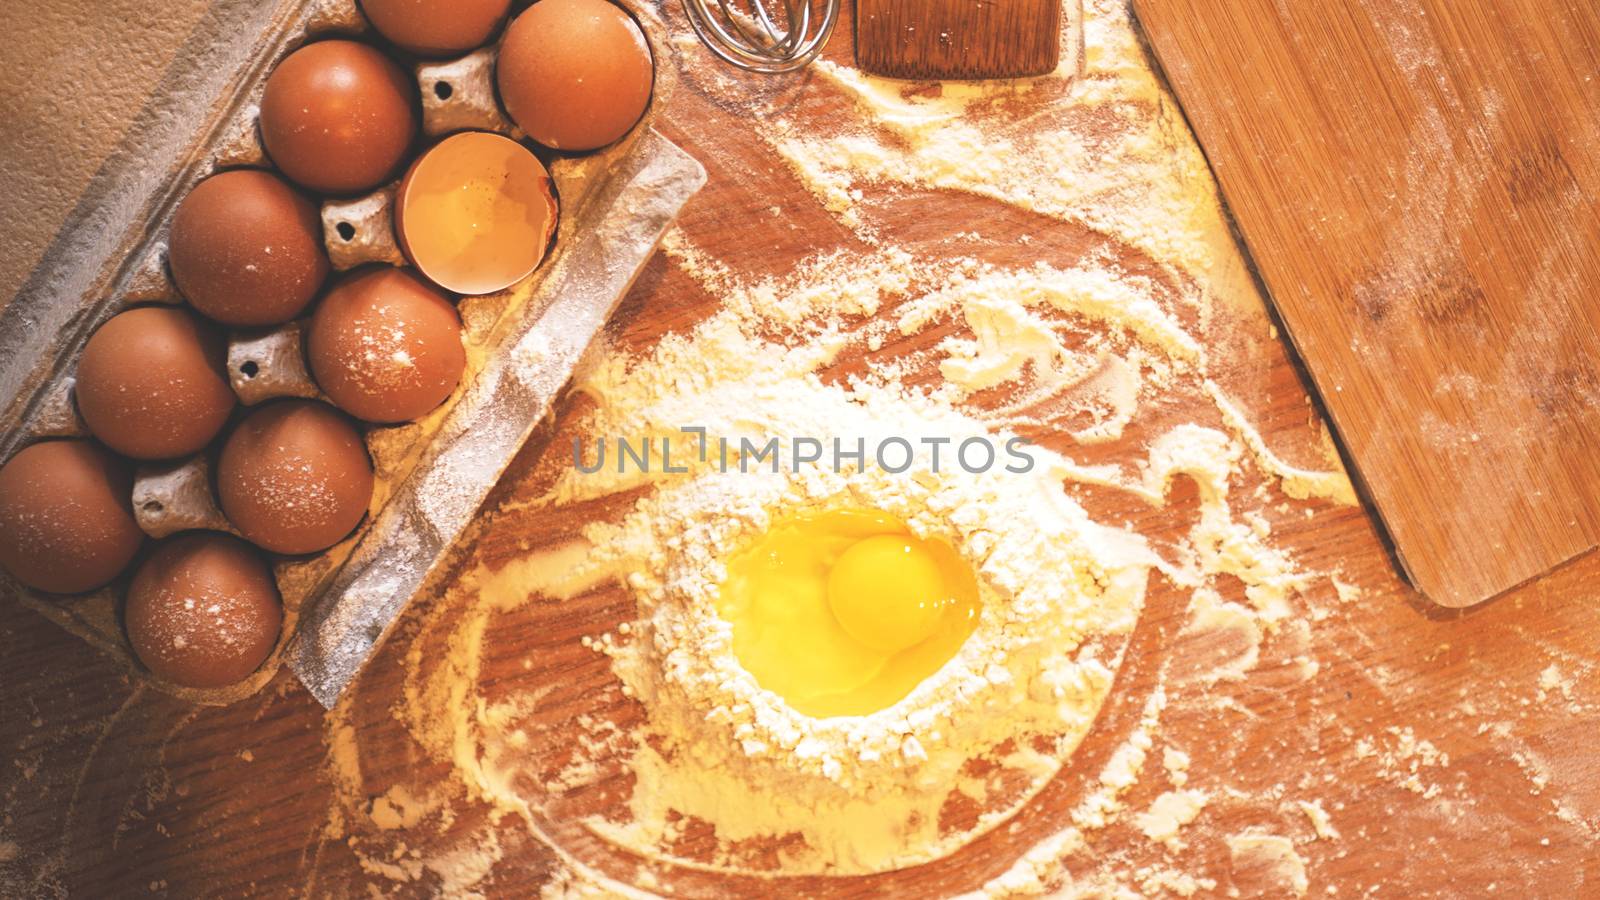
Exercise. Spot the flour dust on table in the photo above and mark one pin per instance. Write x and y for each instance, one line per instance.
(1096, 366)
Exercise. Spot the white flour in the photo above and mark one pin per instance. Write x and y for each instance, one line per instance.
(1094, 350)
(1060, 591)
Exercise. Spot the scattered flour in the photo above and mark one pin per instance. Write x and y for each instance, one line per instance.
(1552, 681)
(1405, 760)
(1321, 822)
(1091, 350)
(1261, 857)
(396, 808)
(1176, 762)
(1169, 813)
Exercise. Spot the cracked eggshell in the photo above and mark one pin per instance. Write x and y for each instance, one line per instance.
(476, 213)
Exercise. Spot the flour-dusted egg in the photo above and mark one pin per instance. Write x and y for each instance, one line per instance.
(203, 610)
(436, 27)
(294, 477)
(338, 116)
(384, 346)
(575, 74)
(152, 383)
(66, 517)
(246, 248)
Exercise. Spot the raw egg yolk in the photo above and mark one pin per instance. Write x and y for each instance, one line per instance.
(842, 613)
(888, 592)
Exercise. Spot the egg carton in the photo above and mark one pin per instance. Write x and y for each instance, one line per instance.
(431, 474)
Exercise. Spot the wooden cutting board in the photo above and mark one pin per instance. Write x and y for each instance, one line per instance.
(1418, 182)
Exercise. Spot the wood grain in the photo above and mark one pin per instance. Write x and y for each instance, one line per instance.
(925, 39)
(1419, 184)
(110, 790)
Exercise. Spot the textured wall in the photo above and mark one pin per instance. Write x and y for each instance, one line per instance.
(74, 72)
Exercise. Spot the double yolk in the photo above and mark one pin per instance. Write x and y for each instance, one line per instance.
(842, 613)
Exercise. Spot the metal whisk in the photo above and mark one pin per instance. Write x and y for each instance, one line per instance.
(754, 41)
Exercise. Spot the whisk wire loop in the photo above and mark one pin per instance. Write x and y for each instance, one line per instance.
(754, 41)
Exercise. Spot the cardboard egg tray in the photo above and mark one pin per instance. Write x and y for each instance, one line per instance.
(432, 474)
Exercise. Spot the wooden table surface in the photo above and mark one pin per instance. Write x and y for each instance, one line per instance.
(1454, 752)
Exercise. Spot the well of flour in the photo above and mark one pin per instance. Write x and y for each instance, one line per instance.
(861, 792)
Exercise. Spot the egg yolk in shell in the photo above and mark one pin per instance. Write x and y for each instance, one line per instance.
(844, 612)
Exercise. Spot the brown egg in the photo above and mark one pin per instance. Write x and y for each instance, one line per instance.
(203, 610)
(152, 383)
(294, 477)
(338, 116)
(575, 74)
(475, 213)
(386, 347)
(66, 518)
(246, 248)
(436, 27)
